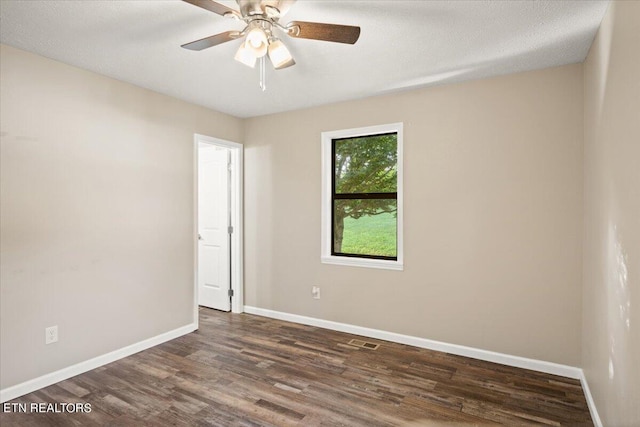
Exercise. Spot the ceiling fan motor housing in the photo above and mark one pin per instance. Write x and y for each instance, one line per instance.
(264, 8)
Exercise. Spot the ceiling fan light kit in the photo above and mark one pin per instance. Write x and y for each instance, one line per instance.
(261, 18)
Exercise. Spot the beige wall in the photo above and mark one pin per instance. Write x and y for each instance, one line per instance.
(611, 293)
(493, 216)
(96, 212)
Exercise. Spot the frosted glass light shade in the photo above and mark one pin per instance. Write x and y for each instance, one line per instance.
(257, 42)
(245, 56)
(280, 55)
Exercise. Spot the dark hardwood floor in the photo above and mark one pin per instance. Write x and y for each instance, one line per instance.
(244, 370)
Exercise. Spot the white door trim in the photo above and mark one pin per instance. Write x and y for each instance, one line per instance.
(237, 280)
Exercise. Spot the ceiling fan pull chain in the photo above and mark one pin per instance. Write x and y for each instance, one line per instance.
(263, 75)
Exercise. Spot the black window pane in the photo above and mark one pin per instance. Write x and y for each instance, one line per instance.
(366, 164)
(365, 227)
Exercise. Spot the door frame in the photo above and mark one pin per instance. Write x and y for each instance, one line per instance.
(237, 280)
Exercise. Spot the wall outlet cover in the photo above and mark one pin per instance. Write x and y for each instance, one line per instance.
(51, 334)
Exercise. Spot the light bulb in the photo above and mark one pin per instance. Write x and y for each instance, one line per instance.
(245, 56)
(257, 42)
(280, 55)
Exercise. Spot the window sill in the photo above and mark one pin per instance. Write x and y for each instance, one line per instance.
(363, 262)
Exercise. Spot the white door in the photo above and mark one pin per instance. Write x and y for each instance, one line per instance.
(214, 266)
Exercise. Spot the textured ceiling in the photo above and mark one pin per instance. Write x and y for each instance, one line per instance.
(403, 44)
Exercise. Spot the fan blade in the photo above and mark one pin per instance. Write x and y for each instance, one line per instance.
(327, 32)
(212, 40)
(212, 6)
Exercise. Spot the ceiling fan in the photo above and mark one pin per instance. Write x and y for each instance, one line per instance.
(262, 19)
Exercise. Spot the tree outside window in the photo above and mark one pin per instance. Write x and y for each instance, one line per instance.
(364, 196)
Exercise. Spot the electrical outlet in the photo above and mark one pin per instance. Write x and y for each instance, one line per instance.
(315, 291)
(51, 334)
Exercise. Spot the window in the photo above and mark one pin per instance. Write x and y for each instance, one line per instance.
(362, 197)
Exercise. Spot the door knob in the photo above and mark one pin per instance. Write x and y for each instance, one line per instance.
(199, 237)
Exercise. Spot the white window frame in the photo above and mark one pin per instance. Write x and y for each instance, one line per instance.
(327, 161)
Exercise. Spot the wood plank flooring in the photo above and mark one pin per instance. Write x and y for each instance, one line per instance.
(244, 370)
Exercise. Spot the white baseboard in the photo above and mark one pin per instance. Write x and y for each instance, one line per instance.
(26, 387)
(460, 350)
(595, 417)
